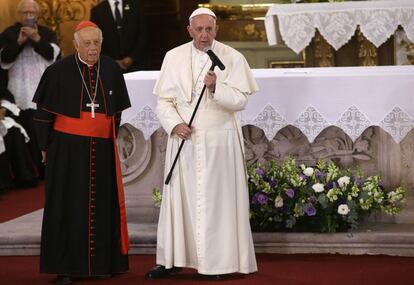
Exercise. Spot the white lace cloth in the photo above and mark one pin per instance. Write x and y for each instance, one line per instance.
(378, 20)
(311, 99)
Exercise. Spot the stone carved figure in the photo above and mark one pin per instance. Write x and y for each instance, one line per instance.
(331, 144)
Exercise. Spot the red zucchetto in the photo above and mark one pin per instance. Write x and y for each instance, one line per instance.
(85, 24)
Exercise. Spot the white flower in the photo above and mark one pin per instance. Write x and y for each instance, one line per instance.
(308, 171)
(343, 181)
(343, 209)
(279, 202)
(318, 187)
(303, 166)
(332, 195)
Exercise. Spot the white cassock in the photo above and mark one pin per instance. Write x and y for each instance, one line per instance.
(204, 217)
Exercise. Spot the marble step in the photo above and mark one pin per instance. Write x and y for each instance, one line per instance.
(21, 236)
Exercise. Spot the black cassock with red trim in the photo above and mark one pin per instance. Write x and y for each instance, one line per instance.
(84, 225)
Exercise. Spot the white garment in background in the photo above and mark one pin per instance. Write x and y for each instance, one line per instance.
(25, 73)
(9, 122)
(204, 217)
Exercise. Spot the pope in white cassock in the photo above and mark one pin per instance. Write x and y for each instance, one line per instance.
(204, 217)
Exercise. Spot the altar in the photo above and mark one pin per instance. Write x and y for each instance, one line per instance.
(311, 99)
(355, 115)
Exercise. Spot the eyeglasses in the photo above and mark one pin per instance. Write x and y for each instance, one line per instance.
(27, 13)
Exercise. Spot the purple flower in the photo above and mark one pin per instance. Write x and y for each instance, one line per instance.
(320, 175)
(259, 172)
(303, 177)
(310, 210)
(357, 180)
(329, 185)
(290, 193)
(273, 183)
(259, 198)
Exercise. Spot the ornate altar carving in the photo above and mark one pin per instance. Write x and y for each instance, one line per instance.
(331, 144)
(404, 49)
(367, 52)
(240, 22)
(324, 55)
(55, 12)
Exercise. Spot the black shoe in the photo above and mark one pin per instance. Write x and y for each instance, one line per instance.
(215, 277)
(160, 271)
(104, 277)
(63, 280)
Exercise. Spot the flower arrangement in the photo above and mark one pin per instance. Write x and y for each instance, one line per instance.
(323, 198)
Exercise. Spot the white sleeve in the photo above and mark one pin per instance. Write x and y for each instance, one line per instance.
(167, 114)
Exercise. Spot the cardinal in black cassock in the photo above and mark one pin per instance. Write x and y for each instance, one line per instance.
(79, 103)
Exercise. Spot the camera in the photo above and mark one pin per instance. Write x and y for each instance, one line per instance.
(30, 22)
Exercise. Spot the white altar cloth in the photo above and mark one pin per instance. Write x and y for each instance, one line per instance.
(337, 22)
(311, 99)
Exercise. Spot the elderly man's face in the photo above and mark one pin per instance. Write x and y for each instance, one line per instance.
(203, 31)
(89, 44)
(27, 11)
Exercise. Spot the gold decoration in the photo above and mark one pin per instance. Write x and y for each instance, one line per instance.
(403, 49)
(55, 12)
(238, 12)
(242, 22)
(367, 52)
(409, 48)
(287, 64)
(241, 30)
(324, 55)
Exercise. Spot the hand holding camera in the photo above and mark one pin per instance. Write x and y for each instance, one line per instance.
(28, 31)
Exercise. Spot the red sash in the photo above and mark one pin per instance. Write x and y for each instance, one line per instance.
(101, 127)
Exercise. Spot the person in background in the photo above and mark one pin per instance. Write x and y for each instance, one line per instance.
(204, 216)
(28, 48)
(16, 165)
(79, 103)
(123, 26)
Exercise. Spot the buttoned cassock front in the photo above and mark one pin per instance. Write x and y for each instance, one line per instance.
(204, 217)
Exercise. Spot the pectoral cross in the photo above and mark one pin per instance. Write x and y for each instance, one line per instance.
(92, 105)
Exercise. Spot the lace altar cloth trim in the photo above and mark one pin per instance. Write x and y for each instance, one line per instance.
(337, 22)
(311, 122)
(311, 99)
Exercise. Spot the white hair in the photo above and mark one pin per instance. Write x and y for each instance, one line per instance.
(35, 5)
(77, 39)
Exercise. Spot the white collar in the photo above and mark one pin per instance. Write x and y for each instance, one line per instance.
(84, 62)
(120, 7)
(201, 51)
(112, 3)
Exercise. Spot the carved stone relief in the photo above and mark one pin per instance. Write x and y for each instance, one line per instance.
(330, 144)
(134, 152)
(374, 151)
(142, 163)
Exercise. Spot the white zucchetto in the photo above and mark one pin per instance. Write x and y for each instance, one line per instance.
(202, 11)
